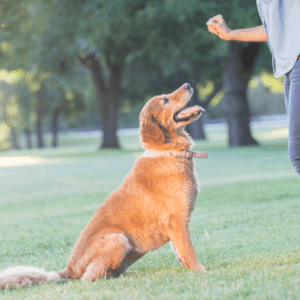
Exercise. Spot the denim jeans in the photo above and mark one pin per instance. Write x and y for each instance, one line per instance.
(292, 103)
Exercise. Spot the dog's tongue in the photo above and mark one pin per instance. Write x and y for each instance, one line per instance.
(188, 112)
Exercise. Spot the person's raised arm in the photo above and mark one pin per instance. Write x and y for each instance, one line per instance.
(217, 26)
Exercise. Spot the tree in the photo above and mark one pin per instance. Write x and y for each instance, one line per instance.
(25, 98)
(10, 111)
(25, 39)
(235, 61)
(106, 36)
(56, 97)
(237, 69)
(67, 103)
(184, 53)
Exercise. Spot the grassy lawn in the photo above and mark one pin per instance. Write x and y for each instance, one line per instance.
(245, 228)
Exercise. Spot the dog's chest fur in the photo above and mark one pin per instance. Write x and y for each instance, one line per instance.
(165, 187)
(171, 179)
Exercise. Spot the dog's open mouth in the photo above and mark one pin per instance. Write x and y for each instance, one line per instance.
(186, 114)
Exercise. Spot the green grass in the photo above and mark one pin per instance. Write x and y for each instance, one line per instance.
(245, 228)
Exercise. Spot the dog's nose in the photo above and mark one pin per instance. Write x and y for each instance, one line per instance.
(187, 86)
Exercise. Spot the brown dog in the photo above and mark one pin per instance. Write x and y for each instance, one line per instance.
(151, 207)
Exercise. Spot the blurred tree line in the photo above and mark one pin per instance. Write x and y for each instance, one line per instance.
(69, 58)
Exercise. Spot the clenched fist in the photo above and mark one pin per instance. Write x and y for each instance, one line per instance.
(217, 26)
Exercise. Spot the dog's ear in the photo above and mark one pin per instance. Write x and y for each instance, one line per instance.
(153, 131)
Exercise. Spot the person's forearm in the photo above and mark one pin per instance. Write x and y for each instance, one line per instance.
(255, 34)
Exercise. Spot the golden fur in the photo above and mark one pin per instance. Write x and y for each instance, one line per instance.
(151, 207)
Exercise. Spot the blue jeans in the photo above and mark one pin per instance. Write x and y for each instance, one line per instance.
(292, 103)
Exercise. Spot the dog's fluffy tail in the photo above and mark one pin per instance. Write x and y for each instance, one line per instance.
(23, 276)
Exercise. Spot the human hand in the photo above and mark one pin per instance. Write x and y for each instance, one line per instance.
(217, 26)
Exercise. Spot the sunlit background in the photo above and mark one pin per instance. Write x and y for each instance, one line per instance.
(89, 66)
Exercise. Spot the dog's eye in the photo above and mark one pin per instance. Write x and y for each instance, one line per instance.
(165, 101)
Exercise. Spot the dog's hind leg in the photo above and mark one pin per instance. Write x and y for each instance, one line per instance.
(111, 252)
(131, 258)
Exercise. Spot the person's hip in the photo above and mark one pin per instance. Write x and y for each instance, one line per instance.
(289, 73)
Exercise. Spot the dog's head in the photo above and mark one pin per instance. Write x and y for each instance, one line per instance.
(163, 118)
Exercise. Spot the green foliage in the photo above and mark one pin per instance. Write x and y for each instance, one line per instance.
(161, 43)
(58, 31)
(19, 42)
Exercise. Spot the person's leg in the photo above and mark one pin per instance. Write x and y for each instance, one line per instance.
(293, 109)
(289, 96)
(286, 92)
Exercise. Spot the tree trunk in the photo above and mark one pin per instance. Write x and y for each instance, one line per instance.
(13, 131)
(39, 132)
(55, 126)
(40, 111)
(111, 108)
(195, 129)
(237, 69)
(108, 98)
(109, 127)
(14, 138)
(28, 138)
